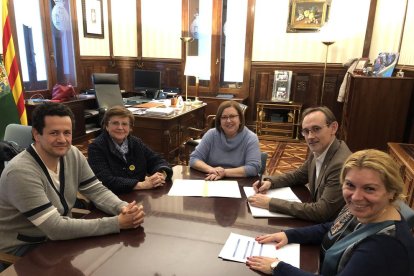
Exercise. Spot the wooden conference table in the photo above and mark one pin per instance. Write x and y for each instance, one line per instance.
(180, 236)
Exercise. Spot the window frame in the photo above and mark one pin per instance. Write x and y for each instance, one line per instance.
(51, 70)
(216, 56)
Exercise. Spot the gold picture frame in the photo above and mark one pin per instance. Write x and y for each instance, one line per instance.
(307, 15)
(93, 24)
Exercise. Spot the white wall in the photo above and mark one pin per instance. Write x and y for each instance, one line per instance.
(407, 49)
(387, 27)
(93, 46)
(271, 42)
(161, 28)
(124, 28)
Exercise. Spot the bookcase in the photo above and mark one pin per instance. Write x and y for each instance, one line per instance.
(278, 121)
(375, 111)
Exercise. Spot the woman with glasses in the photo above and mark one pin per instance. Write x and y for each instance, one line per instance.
(122, 161)
(230, 149)
(370, 236)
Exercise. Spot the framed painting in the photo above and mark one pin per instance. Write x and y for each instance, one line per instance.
(93, 18)
(307, 15)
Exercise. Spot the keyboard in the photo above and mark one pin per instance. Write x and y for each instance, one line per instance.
(137, 100)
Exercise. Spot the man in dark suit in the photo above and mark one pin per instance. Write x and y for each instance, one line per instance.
(320, 171)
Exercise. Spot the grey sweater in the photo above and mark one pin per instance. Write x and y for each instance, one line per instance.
(242, 150)
(33, 210)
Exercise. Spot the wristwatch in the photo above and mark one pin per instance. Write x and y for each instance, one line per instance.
(274, 265)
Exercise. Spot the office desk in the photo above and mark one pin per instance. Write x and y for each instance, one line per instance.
(166, 134)
(180, 236)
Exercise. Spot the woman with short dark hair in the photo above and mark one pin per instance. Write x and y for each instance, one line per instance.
(230, 149)
(122, 161)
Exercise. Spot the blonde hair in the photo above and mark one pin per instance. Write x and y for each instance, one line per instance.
(380, 162)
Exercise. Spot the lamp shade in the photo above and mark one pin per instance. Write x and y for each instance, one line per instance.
(196, 66)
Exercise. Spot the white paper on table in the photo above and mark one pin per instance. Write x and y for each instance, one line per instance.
(239, 247)
(189, 187)
(282, 193)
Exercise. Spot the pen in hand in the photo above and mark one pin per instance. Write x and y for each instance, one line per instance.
(260, 182)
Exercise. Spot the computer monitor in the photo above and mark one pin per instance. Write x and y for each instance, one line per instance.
(147, 80)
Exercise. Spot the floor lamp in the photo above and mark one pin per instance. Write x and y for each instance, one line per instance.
(186, 40)
(327, 43)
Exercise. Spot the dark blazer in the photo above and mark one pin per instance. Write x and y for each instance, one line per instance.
(118, 175)
(326, 193)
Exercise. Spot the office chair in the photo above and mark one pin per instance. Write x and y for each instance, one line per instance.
(197, 133)
(20, 134)
(107, 91)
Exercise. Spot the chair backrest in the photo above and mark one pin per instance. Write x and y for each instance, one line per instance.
(107, 90)
(20, 134)
(263, 158)
(407, 213)
(243, 108)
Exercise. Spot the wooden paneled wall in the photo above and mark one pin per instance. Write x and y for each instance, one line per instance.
(306, 85)
(170, 70)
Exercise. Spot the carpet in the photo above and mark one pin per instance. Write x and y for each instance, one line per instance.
(282, 156)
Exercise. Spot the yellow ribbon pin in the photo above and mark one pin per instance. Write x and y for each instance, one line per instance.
(131, 167)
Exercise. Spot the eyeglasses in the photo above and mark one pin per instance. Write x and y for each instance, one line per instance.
(117, 124)
(231, 117)
(315, 130)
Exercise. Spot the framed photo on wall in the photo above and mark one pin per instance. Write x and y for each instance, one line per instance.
(92, 11)
(307, 15)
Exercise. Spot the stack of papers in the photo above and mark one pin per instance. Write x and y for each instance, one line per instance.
(238, 247)
(282, 193)
(221, 188)
(160, 111)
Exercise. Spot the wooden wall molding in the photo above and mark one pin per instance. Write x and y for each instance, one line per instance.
(124, 66)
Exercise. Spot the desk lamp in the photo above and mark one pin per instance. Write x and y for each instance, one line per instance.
(186, 40)
(197, 66)
(193, 68)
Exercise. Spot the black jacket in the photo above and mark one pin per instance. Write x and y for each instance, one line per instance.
(118, 175)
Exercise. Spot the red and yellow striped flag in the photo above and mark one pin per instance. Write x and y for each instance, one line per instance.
(11, 65)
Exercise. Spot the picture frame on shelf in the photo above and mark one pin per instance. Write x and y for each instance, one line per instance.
(360, 66)
(92, 13)
(384, 64)
(281, 86)
(307, 15)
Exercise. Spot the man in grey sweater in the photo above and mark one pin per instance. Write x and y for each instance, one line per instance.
(38, 189)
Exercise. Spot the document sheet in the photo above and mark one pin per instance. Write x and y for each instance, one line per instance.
(220, 188)
(282, 193)
(239, 247)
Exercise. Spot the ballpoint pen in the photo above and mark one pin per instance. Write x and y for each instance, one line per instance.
(260, 181)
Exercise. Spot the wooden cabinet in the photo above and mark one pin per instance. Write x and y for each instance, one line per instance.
(78, 108)
(167, 134)
(278, 121)
(375, 111)
(404, 155)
